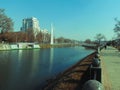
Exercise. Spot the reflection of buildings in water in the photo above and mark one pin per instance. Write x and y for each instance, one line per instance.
(19, 55)
(19, 61)
(4, 57)
(15, 68)
(51, 59)
(4, 68)
(35, 60)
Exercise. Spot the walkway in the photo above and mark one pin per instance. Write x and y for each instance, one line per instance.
(110, 60)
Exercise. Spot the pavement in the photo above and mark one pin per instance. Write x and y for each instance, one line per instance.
(110, 63)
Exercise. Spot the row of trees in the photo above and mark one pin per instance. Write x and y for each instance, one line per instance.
(98, 39)
(12, 37)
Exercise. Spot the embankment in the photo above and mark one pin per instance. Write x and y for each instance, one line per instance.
(6, 46)
(58, 45)
(73, 78)
(18, 46)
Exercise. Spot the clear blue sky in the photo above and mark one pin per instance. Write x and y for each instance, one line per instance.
(74, 19)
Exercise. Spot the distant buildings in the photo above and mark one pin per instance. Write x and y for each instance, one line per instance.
(30, 25)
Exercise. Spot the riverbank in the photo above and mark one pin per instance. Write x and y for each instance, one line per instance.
(73, 78)
(18, 46)
(58, 45)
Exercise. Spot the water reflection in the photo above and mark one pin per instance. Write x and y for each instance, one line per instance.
(28, 69)
(4, 56)
(35, 61)
(19, 55)
(19, 70)
(51, 59)
(4, 68)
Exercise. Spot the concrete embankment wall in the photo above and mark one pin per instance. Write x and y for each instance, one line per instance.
(6, 46)
(73, 78)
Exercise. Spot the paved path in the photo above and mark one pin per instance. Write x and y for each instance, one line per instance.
(110, 61)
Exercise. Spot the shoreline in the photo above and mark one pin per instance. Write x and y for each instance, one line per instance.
(30, 46)
(18, 46)
(72, 78)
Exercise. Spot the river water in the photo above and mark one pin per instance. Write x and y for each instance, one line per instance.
(29, 69)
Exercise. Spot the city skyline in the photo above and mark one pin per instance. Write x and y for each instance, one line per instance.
(74, 19)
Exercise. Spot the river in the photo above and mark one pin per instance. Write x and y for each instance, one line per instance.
(29, 69)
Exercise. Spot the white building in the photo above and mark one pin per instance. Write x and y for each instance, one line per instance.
(30, 24)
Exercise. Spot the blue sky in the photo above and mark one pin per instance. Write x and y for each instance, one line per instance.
(74, 19)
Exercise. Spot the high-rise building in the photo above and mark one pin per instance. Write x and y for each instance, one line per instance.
(31, 25)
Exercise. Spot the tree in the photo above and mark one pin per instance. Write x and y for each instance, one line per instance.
(6, 24)
(117, 28)
(39, 37)
(13, 37)
(88, 41)
(60, 40)
(99, 37)
(67, 40)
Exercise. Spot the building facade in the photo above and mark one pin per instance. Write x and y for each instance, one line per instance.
(30, 25)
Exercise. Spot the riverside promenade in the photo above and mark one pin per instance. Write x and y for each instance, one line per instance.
(110, 61)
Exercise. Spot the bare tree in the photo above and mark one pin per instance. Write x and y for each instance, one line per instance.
(99, 37)
(6, 24)
(117, 28)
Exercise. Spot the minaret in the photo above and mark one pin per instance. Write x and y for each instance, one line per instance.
(52, 41)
